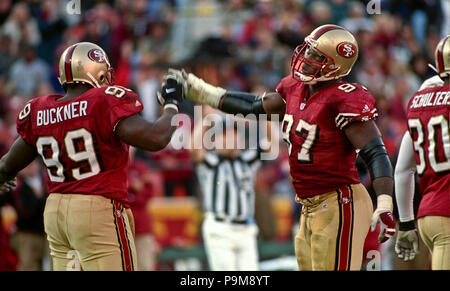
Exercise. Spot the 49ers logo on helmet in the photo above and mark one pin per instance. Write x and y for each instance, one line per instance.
(346, 49)
(96, 55)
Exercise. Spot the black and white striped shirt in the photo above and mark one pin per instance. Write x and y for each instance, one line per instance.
(228, 184)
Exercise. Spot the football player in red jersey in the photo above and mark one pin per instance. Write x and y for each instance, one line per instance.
(325, 122)
(83, 138)
(425, 149)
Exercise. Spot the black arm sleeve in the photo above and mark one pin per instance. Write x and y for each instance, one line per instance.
(240, 102)
(376, 157)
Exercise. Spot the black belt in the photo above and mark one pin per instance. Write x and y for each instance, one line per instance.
(235, 221)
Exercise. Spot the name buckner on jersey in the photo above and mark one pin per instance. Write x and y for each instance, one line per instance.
(62, 113)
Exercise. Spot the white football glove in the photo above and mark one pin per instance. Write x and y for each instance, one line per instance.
(383, 215)
(407, 244)
(198, 90)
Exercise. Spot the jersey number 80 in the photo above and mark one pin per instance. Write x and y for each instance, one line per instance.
(434, 145)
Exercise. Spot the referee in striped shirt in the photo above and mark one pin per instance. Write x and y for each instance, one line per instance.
(227, 177)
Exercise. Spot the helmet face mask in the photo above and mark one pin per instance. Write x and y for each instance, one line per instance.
(309, 64)
(111, 76)
(328, 53)
(85, 63)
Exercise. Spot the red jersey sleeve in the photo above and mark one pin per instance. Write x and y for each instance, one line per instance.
(354, 104)
(280, 90)
(124, 104)
(284, 87)
(23, 124)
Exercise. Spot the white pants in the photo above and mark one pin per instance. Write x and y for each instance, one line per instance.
(230, 247)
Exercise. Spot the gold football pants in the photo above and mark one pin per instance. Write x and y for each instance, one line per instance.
(89, 232)
(435, 233)
(333, 228)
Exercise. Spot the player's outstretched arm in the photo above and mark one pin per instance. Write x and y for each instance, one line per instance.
(366, 137)
(227, 101)
(19, 156)
(138, 132)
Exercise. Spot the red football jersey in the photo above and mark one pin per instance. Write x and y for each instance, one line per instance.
(76, 141)
(428, 116)
(321, 157)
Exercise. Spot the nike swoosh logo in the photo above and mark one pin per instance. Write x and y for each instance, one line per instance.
(170, 90)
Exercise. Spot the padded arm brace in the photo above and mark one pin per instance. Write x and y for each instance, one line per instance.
(376, 157)
(240, 102)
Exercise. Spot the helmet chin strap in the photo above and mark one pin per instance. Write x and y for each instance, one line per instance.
(433, 68)
(443, 74)
(304, 78)
(310, 80)
(93, 80)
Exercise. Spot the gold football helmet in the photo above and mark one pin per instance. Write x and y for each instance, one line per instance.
(86, 63)
(442, 57)
(328, 53)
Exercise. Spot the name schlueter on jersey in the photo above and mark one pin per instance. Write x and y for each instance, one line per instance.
(431, 99)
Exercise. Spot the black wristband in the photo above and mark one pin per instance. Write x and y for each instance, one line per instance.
(375, 155)
(407, 225)
(240, 102)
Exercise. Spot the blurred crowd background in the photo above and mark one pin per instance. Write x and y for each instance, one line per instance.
(243, 45)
